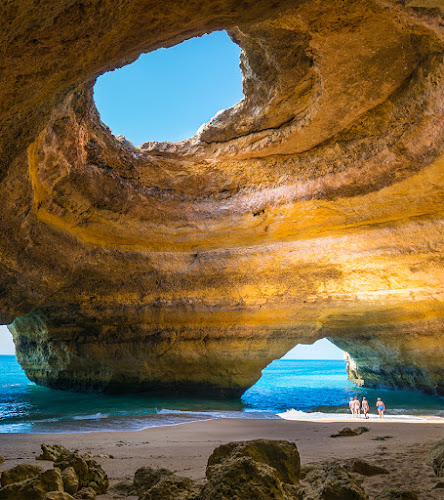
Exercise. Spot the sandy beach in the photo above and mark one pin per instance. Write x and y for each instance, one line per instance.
(185, 448)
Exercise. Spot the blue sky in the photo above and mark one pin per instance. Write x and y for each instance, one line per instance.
(166, 96)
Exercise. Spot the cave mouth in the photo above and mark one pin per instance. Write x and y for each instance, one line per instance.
(7, 347)
(309, 377)
(166, 95)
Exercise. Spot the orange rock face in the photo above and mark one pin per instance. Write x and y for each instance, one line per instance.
(311, 209)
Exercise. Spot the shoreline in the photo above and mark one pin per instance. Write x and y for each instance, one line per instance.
(290, 415)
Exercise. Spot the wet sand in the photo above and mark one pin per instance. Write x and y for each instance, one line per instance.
(185, 448)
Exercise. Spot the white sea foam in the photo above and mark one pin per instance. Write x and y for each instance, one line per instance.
(91, 417)
(317, 415)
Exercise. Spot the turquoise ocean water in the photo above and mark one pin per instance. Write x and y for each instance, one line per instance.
(309, 386)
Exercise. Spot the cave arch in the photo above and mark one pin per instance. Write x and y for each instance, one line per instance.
(311, 210)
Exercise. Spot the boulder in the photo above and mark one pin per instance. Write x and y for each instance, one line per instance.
(90, 474)
(348, 431)
(34, 488)
(52, 452)
(281, 455)
(364, 468)
(174, 487)
(397, 494)
(20, 473)
(58, 495)
(86, 493)
(242, 478)
(255, 470)
(70, 480)
(332, 482)
(435, 458)
(158, 484)
(146, 477)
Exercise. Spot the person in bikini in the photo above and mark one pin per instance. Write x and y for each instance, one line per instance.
(357, 406)
(380, 407)
(365, 407)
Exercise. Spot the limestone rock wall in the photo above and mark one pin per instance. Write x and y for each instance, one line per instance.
(311, 209)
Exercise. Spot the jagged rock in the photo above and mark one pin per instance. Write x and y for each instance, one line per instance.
(397, 494)
(281, 455)
(289, 217)
(253, 470)
(20, 473)
(90, 474)
(332, 482)
(52, 452)
(34, 488)
(70, 480)
(58, 495)
(146, 477)
(347, 431)
(243, 479)
(86, 493)
(364, 468)
(159, 484)
(172, 487)
(124, 486)
(435, 458)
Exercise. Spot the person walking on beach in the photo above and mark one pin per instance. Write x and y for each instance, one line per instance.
(380, 407)
(365, 407)
(351, 405)
(357, 406)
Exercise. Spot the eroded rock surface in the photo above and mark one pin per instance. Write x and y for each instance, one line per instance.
(311, 209)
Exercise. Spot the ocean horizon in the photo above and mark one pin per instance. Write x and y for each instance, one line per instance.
(314, 388)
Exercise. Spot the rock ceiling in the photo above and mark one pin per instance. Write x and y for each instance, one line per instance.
(311, 209)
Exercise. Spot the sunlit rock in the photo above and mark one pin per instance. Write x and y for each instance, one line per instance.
(311, 209)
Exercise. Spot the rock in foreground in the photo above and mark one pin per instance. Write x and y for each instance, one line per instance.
(73, 474)
(435, 458)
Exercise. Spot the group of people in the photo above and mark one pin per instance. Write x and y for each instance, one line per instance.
(356, 406)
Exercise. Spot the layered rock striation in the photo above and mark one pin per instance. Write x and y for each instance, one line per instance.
(311, 209)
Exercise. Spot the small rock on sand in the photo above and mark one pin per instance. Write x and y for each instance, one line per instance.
(348, 431)
(364, 468)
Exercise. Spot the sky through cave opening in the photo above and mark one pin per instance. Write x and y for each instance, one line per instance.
(168, 94)
(307, 378)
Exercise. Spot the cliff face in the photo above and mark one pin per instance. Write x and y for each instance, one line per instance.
(311, 209)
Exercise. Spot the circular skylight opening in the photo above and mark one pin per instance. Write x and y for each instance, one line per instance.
(166, 95)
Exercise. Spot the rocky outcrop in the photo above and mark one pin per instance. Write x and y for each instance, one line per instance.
(52, 452)
(20, 473)
(73, 474)
(256, 470)
(35, 487)
(311, 209)
(397, 494)
(435, 458)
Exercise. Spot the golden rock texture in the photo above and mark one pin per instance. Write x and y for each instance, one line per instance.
(311, 209)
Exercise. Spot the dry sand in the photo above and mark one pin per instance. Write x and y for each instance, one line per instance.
(185, 448)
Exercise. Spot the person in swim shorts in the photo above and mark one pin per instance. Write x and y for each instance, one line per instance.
(380, 406)
(357, 406)
(365, 407)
